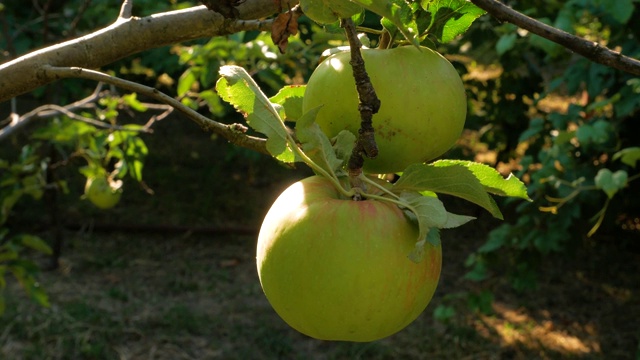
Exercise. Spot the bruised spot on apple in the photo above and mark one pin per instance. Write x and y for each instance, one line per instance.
(423, 103)
(337, 269)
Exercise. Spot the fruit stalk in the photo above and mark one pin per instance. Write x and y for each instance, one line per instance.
(368, 105)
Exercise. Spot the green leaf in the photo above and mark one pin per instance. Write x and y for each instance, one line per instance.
(491, 179)
(343, 145)
(629, 156)
(430, 215)
(398, 12)
(620, 10)
(492, 244)
(315, 143)
(35, 243)
(610, 182)
(456, 180)
(290, 97)
(450, 18)
(430, 210)
(329, 11)
(506, 43)
(186, 81)
(213, 102)
(135, 153)
(444, 313)
(8, 255)
(240, 90)
(132, 101)
(455, 220)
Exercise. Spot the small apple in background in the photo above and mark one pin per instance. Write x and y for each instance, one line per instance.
(337, 269)
(423, 103)
(102, 191)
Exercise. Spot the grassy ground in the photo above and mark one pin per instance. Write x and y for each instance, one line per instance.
(195, 295)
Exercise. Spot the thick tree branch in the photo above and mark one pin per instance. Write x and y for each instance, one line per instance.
(125, 37)
(235, 133)
(589, 49)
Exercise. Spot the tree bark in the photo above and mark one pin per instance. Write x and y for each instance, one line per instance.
(127, 36)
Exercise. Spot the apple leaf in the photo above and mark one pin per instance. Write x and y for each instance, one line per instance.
(491, 179)
(398, 12)
(290, 97)
(36, 243)
(629, 156)
(611, 182)
(450, 18)
(455, 179)
(455, 220)
(429, 213)
(238, 88)
(343, 144)
(315, 143)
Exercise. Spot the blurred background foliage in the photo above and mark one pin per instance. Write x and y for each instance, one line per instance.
(564, 125)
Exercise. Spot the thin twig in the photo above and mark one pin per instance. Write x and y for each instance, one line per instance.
(235, 133)
(16, 122)
(126, 9)
(589, 49)
(62, 110)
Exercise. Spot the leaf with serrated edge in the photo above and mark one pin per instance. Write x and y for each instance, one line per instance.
(343, 145)
(491, 179)
(290, 97)
(450, 18)
(315, 143)
(238, 88)
(429, 212)
(398, 11)
(456, 180)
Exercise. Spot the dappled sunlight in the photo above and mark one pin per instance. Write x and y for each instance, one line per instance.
(516, 327)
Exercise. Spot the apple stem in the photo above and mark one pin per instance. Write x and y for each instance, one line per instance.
(369, 104)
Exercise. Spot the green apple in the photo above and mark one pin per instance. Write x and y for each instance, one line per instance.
(337, 269)
(103, 192)
(423, 103)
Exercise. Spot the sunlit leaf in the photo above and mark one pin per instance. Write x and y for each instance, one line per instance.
(490, 178)
(132, 101)
(450, 18)
(238, 88)
(456, 180)
(290, 97)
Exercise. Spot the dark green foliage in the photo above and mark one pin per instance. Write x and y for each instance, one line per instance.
(566, 156)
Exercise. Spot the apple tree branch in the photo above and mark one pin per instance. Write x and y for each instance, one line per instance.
(589, 49)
